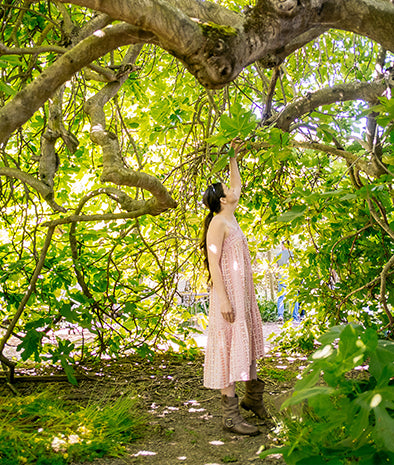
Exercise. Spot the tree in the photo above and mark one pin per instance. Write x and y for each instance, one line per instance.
(157, 132)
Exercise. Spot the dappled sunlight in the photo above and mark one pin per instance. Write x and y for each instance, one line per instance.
(325, 352)
(281, 367)
(376, 400)
(195, 407)
(213, 248)
(192, 406)
(362, 368)
(99, 33)
(144, 453)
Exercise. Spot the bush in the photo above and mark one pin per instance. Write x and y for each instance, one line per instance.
(347, 418)
(299, 338)
(267, 309)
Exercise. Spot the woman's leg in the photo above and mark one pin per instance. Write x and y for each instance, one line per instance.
(232, 420)
(253, 398)
(229, 391)
(253, 370)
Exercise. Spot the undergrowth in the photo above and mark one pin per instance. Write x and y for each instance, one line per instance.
(343, 417)
(45, 429)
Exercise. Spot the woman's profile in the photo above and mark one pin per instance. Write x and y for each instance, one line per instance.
(235, 332)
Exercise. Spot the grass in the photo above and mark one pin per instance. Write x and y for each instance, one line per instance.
(268, 369)
(44, 429)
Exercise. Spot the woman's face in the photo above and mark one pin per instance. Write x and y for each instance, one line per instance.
(229, 194)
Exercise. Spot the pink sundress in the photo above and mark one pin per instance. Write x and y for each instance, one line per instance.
(231, 347)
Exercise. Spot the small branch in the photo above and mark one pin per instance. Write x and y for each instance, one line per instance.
(270, 93)
(383, 280)
(26, 297)
(350, 236)
(368, 168)
(31, 50)
(383, 224)
(40, 187)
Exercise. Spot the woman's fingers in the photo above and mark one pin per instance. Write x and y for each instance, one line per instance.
(228, 316)
(237, 144)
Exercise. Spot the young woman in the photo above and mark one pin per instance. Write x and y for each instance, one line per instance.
(235, 332)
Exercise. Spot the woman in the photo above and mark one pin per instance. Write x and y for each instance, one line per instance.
(235, 334)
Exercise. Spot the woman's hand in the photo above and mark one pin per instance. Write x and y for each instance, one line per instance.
(236, 144)
(227, 311)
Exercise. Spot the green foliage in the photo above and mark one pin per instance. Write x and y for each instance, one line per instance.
(268, 309)
(268, 369)
(298, 338)
(172, 129)
(347, 418)
(44, 429)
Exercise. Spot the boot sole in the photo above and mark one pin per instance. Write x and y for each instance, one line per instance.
(230, 430)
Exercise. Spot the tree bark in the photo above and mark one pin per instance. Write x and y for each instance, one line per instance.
(33, 96)
(216, 53)
(367, 91)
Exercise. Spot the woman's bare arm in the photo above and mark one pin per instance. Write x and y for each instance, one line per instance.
(215, 238)
(235, 177)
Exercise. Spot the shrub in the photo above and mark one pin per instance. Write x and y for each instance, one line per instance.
(346, 418)
(299, 338)
(267, 309)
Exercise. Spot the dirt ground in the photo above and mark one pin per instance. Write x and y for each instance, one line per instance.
(185, 418)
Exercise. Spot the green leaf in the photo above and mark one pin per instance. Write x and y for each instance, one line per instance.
(384, 428)
(381, 358)
(332, 334)
(304, 394)
(218, 140)
(317, 460)
(221, 163)
(66, 311)
(274, 450)
(296, 212)
(31, 344)
(7, 89)
(68, 369)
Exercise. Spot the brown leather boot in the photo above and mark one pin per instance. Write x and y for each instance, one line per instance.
(253, 399)
(232, 420)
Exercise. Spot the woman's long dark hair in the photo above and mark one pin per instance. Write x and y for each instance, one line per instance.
(211, 200)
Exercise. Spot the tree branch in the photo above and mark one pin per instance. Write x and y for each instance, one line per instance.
(113, 167)
(367, 91)
(363, 165)
(28, 101)
(44, 190)
(383, 281)
(26, 297)
(31, 50)
(215, 50)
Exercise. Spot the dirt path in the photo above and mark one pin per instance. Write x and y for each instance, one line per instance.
(185, 418)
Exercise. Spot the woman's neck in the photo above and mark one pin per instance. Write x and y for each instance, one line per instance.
(227, 213)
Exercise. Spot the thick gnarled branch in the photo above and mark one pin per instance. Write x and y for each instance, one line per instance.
(367, 91)
(28, 101)
(216, 53)
(114, 169)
